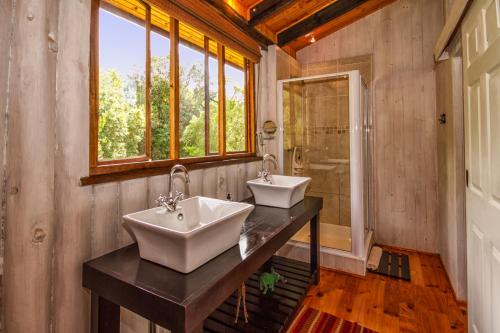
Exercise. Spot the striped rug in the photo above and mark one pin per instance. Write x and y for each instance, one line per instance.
(309, 320)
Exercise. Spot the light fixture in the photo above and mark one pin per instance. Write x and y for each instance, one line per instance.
(310, 36)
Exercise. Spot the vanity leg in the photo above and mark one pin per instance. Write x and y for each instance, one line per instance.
(105, 315)
(315, 247)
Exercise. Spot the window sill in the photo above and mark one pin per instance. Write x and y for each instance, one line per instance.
(120, 172)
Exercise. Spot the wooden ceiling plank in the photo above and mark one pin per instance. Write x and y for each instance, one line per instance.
(295, 13)
(358, 13)
(335, 10)
(229, 13)
(267, 8)
(239, 7)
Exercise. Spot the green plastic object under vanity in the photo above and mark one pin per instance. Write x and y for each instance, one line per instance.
(267, 281)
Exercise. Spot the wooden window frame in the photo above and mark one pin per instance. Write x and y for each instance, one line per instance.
(140, 166)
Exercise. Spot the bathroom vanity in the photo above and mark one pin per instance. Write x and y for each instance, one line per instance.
(204, 299)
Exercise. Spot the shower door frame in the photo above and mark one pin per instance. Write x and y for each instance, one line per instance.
(356, 164)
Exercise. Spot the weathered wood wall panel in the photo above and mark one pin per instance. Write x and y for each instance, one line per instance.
(72, 203)
(52, 224)
(30, 213)
(6, 12)
(157, 185)
(401, 38)
(5, 41)
(274, 65)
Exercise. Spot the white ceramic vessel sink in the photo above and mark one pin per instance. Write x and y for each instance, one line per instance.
(282, 191)
(201, 229)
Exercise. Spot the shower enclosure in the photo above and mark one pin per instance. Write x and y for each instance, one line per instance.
(325, 134)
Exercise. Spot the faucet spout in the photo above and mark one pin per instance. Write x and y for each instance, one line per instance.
(175, 168)
(264, 173)
(170, 202)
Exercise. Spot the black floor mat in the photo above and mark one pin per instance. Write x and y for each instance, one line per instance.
(396, 265)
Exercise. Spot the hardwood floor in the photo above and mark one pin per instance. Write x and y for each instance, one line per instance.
(426, 304)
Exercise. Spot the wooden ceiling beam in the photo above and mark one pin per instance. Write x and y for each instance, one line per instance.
(265, 9)
(229, 13)
(329, 13)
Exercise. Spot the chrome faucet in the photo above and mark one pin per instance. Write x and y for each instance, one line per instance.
(264, 173)
(170, 202)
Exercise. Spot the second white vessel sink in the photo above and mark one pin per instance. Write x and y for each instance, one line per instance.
(281, 191)
(201, 229)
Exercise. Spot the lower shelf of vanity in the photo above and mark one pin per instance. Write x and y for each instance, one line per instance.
(265, 313)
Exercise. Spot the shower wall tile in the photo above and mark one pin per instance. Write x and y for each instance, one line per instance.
(330, 212)
(331, 215)
(330, 110)
(323, 181)
(343, 88)
(344, 146)
(320, 68)
(345, 183)
(333, 149)
(343, 109)
(333, 182)
(287, 161)
(345, 210)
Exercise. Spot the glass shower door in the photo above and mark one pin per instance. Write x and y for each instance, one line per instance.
(316, 144)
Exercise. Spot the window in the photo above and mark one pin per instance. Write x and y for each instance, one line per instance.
(234, 71)
(192, 92)
(122, 107)
(163, 92)
(160, 95)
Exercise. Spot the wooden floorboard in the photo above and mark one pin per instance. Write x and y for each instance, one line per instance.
(384, 304)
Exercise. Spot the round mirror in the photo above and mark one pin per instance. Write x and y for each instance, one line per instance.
(269, 127)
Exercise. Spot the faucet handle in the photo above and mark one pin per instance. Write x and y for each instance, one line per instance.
(178, 196)
(162, 199)
(264, 174)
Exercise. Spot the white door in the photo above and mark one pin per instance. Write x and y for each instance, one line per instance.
(481, 54)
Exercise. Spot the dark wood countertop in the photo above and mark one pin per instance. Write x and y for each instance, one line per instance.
(179, 301)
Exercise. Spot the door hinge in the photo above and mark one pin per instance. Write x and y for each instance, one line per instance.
(467, 178)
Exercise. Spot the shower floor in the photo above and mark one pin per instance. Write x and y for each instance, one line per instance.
(331, 235)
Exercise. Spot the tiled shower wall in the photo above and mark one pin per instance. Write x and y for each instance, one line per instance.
(324, 132)
(327, 138)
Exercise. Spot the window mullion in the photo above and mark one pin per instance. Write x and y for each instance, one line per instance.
(207, 97)
(250, 107)
(148, 81)
(222, 99)
(174, 89)
(246, 98)
(94, 85)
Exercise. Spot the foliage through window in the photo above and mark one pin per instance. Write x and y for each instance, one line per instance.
(143, 56)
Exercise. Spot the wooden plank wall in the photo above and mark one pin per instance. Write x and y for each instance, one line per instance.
(30, 213)
(51, 223)
(5, 41)
(401, 38)
(6, 12)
